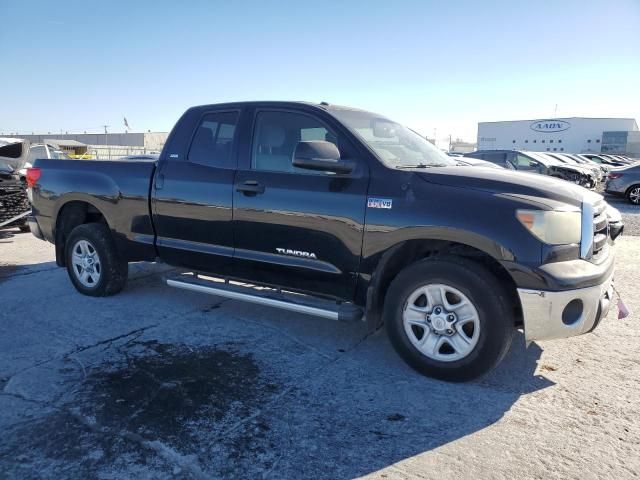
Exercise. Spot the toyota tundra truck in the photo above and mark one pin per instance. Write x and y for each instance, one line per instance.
(343, 214)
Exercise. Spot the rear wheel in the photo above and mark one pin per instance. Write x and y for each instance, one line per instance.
(93, 264)
(633, 195)
(449, 318)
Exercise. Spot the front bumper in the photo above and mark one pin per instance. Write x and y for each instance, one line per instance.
(35, 227)
(548, 315)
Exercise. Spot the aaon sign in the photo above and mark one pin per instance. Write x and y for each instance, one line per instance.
(549, 126)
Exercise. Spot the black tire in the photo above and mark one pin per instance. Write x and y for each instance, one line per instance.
(487, 295)
(634, 188)
(24, 228)
(113, 270)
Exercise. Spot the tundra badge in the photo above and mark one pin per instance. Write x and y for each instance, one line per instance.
(296, 253)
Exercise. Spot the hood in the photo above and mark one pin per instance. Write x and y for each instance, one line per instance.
(13, 154)
(574, 168)
(543, 189)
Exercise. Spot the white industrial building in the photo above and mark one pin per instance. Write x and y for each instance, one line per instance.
(101, 145)
(143, 140)
(571, 135)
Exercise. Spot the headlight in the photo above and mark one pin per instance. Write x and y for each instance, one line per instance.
(552, 226)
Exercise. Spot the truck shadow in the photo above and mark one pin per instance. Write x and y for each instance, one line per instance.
(9, 270)
(7, 233)
(363, 418)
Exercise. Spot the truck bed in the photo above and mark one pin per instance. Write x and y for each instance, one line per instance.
(118, 189)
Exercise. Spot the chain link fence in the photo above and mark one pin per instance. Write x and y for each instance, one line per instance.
(107, 152)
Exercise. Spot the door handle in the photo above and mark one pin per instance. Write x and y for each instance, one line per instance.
(159, 183)
(250, 187)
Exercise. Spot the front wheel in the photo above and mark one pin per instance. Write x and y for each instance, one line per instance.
(93, 263)
(449, 318)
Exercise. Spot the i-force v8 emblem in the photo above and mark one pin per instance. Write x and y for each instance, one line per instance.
(373, 202)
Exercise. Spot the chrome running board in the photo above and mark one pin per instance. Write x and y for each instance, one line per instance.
(344, 312)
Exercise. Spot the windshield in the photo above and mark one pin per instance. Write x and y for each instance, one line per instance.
(394, 144)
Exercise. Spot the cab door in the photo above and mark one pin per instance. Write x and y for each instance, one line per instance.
(192, 196)
(295, 228)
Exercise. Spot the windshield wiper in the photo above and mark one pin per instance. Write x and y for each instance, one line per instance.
(422, 165)
(419, 165)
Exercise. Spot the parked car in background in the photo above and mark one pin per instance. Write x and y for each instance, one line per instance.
(603, 169)
(45, 150)
(14, 203)
(625, 182)
(573, 160)
(594, 174)
(621, 161)
(596, 160)
(475, 162)
(534, 162)
(603, 160)
(42, 150)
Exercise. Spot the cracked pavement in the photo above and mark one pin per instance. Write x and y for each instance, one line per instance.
(162, 383)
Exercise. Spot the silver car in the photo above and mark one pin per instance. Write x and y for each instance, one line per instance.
(625, 182)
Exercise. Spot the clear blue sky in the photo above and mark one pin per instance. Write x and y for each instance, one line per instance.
(75, 65)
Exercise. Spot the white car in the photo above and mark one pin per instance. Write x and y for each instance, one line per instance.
(14, 203)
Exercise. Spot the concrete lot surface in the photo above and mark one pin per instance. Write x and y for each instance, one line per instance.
(163, 383)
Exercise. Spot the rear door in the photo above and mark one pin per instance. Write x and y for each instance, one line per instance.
(299, 229)
(192, 196)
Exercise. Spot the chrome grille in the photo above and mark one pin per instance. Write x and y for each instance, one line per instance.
(600, 230)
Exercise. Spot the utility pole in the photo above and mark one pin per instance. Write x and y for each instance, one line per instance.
(106, 140)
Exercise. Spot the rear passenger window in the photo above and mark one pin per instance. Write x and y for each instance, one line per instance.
(213, 142)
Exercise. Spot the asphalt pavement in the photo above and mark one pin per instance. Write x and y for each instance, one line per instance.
(162, 383)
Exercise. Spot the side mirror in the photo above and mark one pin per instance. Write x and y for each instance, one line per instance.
(320, 156)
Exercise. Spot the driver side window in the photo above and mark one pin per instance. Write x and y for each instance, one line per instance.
(276, 135)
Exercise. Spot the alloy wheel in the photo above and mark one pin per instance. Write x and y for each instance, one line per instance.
(441, 322)
(86, 263)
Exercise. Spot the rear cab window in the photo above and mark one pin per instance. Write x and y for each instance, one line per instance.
(213, 140)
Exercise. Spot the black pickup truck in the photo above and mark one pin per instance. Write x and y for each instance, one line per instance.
(343, 214)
